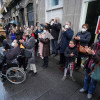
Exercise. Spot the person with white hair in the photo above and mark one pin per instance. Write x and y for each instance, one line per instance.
(29, 46)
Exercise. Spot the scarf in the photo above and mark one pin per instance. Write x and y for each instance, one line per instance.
(44, 36)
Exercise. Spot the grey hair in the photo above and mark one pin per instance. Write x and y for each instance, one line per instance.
(69, 22)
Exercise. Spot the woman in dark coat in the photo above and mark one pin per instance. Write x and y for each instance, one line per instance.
(82, 39)
(44, 46)
(94, 57)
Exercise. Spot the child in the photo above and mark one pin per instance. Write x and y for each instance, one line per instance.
(70, 54)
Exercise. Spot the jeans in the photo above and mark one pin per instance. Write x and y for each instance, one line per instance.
(89, 83)
(54, 46)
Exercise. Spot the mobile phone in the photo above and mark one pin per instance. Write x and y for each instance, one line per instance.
(52, 19)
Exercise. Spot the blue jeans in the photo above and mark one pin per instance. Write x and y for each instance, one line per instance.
(89, 83)
(54, 46)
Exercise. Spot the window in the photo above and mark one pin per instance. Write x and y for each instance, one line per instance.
(55, 2)
(52, 4)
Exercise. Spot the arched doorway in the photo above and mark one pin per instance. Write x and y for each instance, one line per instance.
(22, 16)
(30, 14)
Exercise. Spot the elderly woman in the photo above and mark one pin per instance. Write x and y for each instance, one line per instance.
(94, 57)
(29, 45)
(82, 38)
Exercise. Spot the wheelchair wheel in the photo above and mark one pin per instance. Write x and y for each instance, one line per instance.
(16, 75)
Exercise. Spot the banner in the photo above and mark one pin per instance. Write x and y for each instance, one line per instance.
(98, 26)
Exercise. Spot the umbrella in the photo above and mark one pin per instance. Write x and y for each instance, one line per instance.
(14, 22)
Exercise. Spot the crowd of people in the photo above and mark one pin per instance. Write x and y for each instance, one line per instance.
(38, 40)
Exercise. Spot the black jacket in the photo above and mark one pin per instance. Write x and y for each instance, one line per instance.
(12, 54)
(68, 58)
(55, 30)
(84, 38)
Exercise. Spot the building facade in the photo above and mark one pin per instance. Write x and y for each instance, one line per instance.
(23, 11)
(28, 12)
(78, 12)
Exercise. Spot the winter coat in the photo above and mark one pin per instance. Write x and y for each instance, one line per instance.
(96, 57)
(29, 45)
(13, 36)
(84, 38)
(68, 58)
(65, 38)
(55, 30)
(46, 46)
(12, 54)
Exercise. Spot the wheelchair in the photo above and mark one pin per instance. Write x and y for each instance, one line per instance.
(13, 72)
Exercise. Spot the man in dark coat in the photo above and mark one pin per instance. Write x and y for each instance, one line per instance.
(66, 36)
(55, 30)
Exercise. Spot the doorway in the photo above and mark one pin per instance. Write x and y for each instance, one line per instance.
(93, 11)
(30, 14)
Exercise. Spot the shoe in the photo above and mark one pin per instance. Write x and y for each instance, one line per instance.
(64, 78)
(72, 78)
(89, 96)
(35, 74)
(55, 55)
(52, 53)
(82, 90)
(30, 72)
(3, 79)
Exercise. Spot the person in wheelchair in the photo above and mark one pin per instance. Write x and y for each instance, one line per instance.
(10, 56)
(12, 53)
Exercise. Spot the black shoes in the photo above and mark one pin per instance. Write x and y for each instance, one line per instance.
(30, 72)
(55, 55)
(3, 79)
(33, 74)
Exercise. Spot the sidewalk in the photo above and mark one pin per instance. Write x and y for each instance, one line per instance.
(79, 76)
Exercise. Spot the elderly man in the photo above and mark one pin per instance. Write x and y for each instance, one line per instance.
(55, 27)
(66, 36)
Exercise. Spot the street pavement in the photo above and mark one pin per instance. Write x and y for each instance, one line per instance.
(47, 85)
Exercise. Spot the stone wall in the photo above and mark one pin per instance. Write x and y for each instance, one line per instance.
(41, 11)
(72, 12)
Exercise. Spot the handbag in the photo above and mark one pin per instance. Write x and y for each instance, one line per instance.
(82, 49)
(95, 74)
(27, 54)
